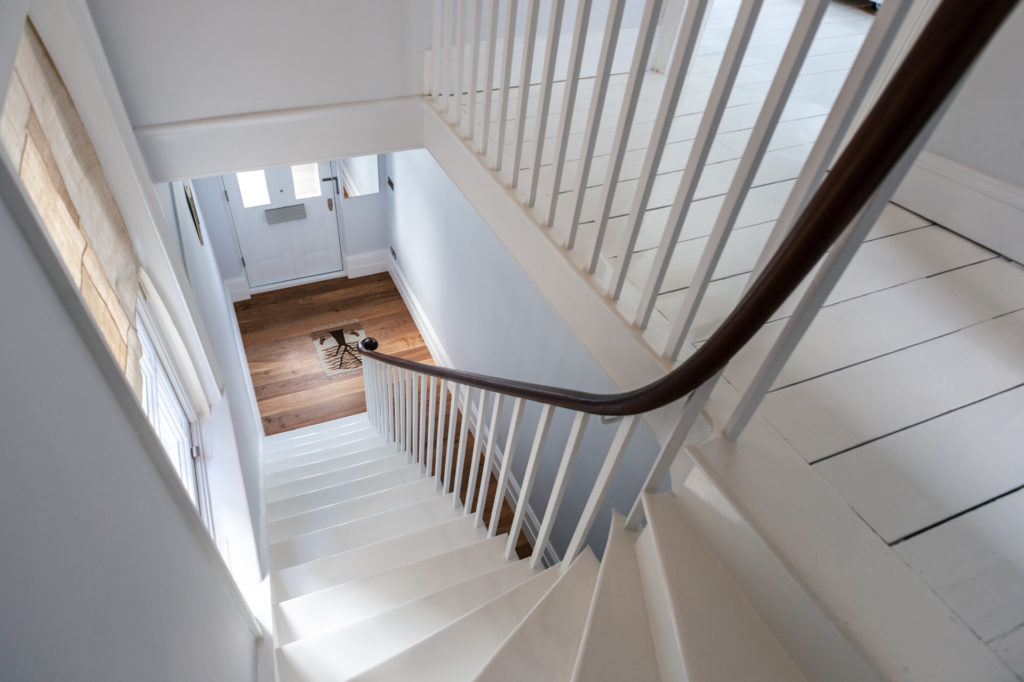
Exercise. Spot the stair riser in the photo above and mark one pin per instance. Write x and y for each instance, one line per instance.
(346, 491)
(325, 466)
(330, 479)
(321, 452)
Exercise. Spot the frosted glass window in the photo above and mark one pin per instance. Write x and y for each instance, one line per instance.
(253, 187)
(306, 180)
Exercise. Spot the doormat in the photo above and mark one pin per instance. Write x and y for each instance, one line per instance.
(338, 348)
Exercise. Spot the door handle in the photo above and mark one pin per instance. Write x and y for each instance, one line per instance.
(334, 179)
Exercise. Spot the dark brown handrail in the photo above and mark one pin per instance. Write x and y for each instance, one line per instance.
(949, 44)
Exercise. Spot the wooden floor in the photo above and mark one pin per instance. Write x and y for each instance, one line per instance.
(291, 388)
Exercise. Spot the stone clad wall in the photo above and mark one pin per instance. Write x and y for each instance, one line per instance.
(43, 135)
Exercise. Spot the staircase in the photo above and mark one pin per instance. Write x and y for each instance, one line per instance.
(378, 571)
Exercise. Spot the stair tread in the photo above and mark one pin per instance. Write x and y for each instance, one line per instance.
(616, 643)
(358, 600)
(714, 633)
(351, 650)
(332, 478)
(344, 537)
(341, 461)
(351, 510)
(459, 650)
(343, 491)
(305, 433)
(544, 645)
(324, 450)
(369, 560)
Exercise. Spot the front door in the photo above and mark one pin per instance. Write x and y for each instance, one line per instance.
(286, 221)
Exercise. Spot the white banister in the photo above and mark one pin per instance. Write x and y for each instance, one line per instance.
(529, 42)
(506, 79)
(529, 476)
(474, 462)
(442, 405)
(460, 63)
(467, 402)
(389, 412)
(490, 50)
(597, 98)
(492, 436)
(831, 269)
(677, 437)
(671, 15)
(546, 79)
(879, 39)
(474, 68)
(453, 415)
(428, 444)
(435, 53)
(410, 415)
(400, 408)
(604, 479)
(421, 433)
(659, 135)
(572, 448)
(641, 54)
(506, 464)
(572, 82)
(446, 56)
(757, 145)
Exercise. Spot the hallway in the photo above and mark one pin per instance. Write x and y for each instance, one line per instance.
(291, 388)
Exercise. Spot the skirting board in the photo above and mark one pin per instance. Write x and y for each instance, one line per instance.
(369, 263)
(978, 206)
(531, 524)
(238, 289)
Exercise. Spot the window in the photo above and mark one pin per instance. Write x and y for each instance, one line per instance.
(306, 180)
(169, 413)
(253, 187)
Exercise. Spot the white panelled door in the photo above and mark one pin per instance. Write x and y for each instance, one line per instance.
(286, 221)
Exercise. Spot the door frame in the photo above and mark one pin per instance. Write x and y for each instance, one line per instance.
(234, 293)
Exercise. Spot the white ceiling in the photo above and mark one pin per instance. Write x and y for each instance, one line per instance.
(192, 59)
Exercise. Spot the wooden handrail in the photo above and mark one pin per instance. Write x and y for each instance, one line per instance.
(948, 46)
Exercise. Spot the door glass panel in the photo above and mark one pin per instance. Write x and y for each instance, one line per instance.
(253, 187)
(306, 180)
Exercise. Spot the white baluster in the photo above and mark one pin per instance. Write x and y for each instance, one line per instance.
(572, 448)
(687, 418)
(506, 78)
(455, 112)
(467, 402)
(604, 479)
(506, 464)
(446, 56)
(399, 403)
(529, 42)
(485, 480)
(382, 395)
(474, 67)
(421, 432)
(572, 82)
(489, 49)
(526, 486)
(670, 18)
(453, 415)
(659, 134)
(632, 95)
(431, 416)
(435, 86)
(474, 466)
(831, 269)
(410, 414)
(883, 32)
(442, 405)
(757, 145)
(597, 98)
(546, 78)
(388, 402)
(416, 406)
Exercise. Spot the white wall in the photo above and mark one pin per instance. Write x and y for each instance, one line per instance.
(363, 172)
(103, 577)
(970, 177)
(490, 318)
(244, 454)
(193, 59)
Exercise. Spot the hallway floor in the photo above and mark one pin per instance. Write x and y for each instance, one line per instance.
(292, 389)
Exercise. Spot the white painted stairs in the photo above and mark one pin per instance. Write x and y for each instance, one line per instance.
(377, 575)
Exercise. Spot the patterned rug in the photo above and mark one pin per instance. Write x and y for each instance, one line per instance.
(338, 348)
